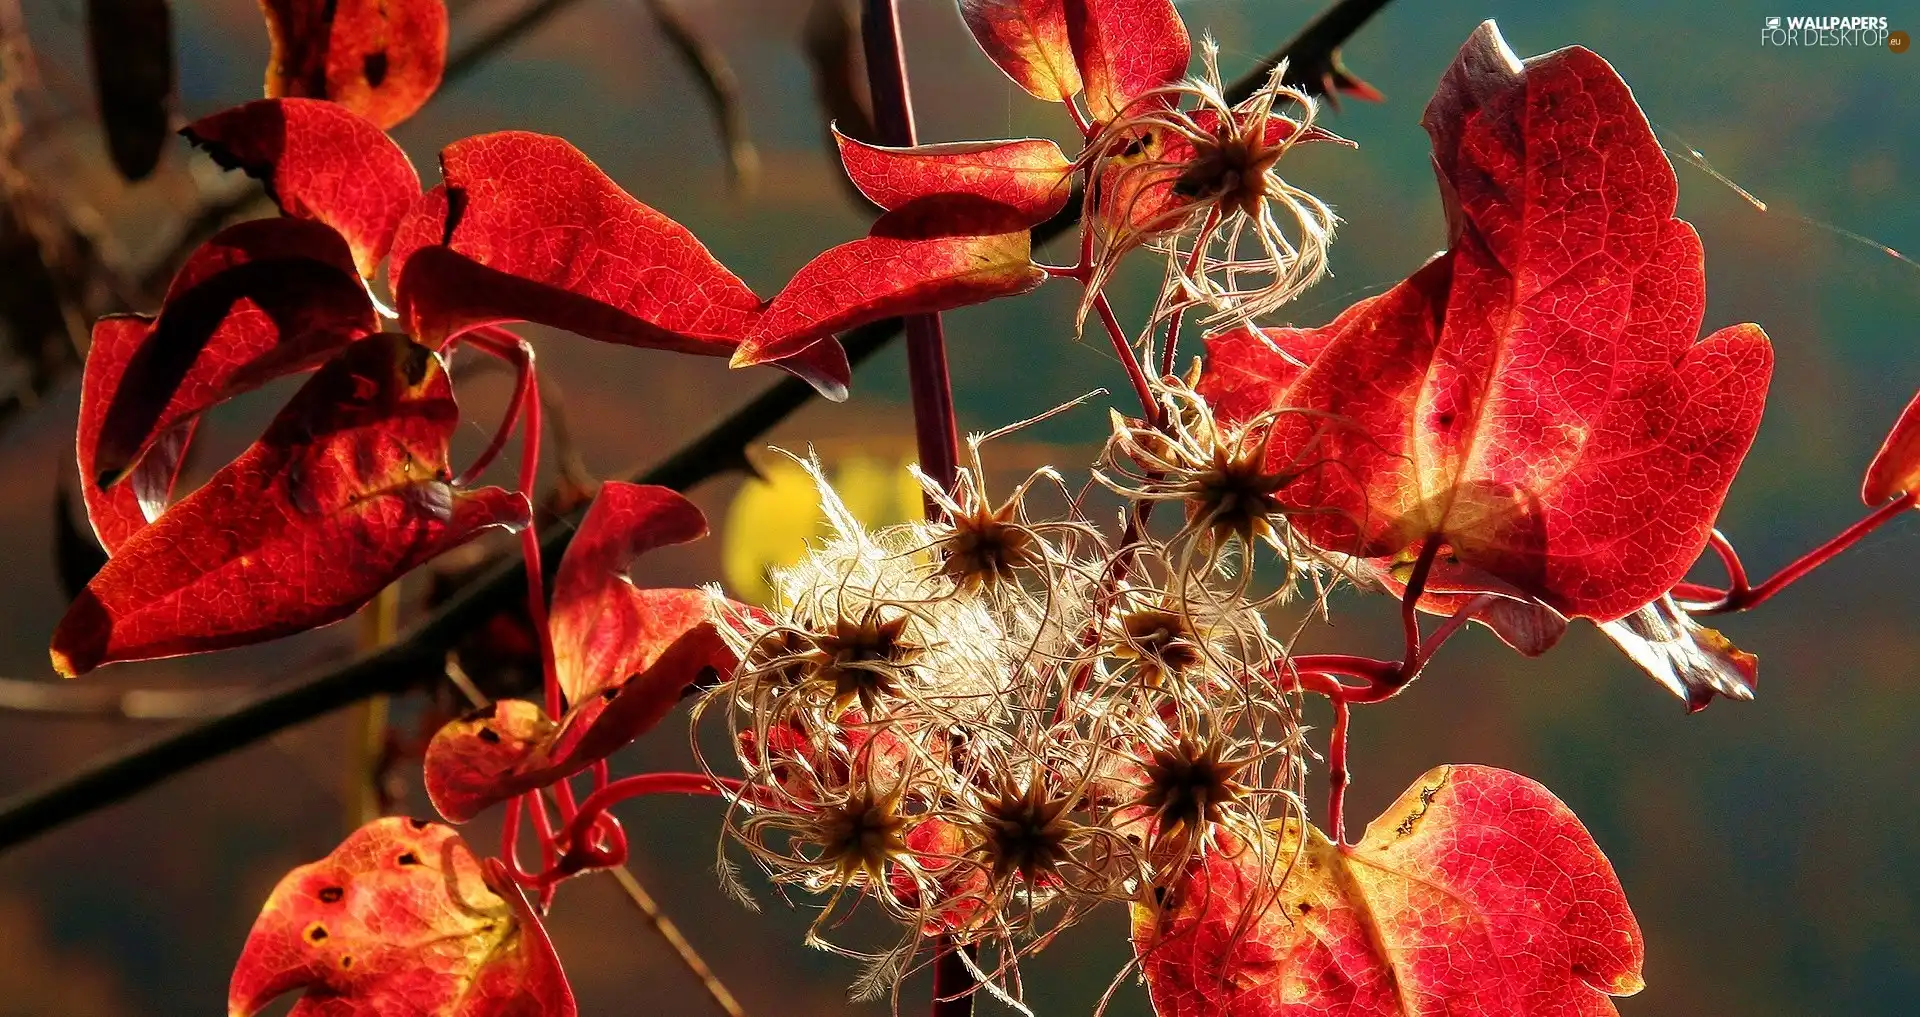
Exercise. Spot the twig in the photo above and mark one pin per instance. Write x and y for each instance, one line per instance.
(422, 648)
(65, 699)
(671, 933)
(722, 86)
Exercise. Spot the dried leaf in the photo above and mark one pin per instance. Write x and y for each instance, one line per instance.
(1690, 660)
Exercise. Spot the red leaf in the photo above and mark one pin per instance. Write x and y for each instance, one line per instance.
(1692, 661)
(1027, 39)
(346, 492)
(1896, 467)
(529, 229)
(319, 161)
(381, 59)
(1126, 48)
(624, 657)
(262, 299)
(934, 254)
(1477, 894)
(1534, 399)
(401, 920)
(1031, 179)
(120, 511)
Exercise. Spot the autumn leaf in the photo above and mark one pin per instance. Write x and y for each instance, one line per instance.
(527, 228)
(346, 492)
(1027, 39)
(1533, 401)
(1896, 467)
(1030, 178)
(320, 161)
(118, 512)
(933, 254)
(624, 656)
(260, 300)
(1690, 660)
(1124, 49)
(381, 59)
(401, 920)
(1477, 893)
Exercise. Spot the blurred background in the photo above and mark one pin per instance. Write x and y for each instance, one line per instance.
(1771, 849)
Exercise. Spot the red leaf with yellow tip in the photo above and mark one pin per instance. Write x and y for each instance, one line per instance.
(401, 920)
(1534, 400)
(1896, 467)
(120, 511)
(930, 255)
(1031, 178)
(527, 228)
(1124, 49)
(346, 492)
(1027, 39)
(320, 161)
(1688, 659)
(260, 300)
(381, 59)
(624, 657)
(1477, 894)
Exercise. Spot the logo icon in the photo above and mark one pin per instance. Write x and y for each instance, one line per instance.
(1773, 24)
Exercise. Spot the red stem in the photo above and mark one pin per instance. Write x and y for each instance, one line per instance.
(1410, 603)
(582, 853)
(935, 430)
(1740, 597)
(1337, 775)
(1169, 352)
(1123, 347)
(500, 343)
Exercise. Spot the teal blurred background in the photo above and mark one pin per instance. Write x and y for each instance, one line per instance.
(1772, 849)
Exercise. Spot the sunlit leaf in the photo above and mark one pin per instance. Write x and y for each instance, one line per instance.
(1477, 894)
(401, 920)
(1533, 401)
(1027, 39)
(119, 511)
(1896, 467)
(527, 228)
(346, 492)
(319, 161)
(381, 59)
(1126, 48)
(1030, 178)
(934, 254)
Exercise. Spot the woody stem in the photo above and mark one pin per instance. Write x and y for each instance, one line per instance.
(935, 430)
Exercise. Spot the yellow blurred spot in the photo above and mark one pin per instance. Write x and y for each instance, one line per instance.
(770, 521)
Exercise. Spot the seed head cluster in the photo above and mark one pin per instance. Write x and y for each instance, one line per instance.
(985, 725)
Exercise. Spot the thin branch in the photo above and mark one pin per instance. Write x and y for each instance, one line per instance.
(722, 86)
(66, 699)
(422, 648)
(670, 932)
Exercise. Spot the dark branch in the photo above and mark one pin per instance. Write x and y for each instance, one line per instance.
(422, 648)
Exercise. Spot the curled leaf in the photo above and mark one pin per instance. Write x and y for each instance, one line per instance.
(1027, 39)
(1477, 894)
(1124, 49)
(119, 511)
(131, 43)
(527, 228)
(934, 254)
(1690, 660)
(260, 300)
(381, 59)
(319, 161)
(1896, 467)
(1030, 178)
(624, 656)
(1534, 400)
(346, 492)
(401, 920)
